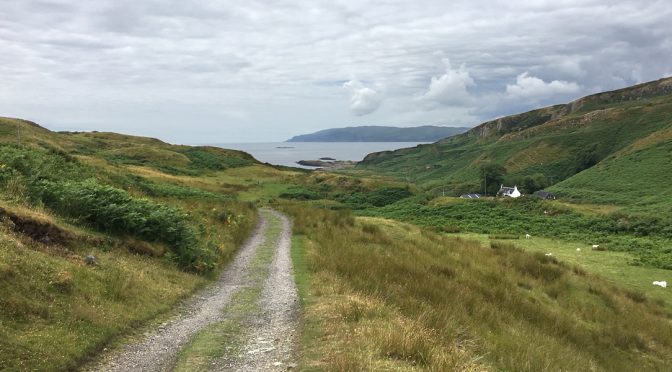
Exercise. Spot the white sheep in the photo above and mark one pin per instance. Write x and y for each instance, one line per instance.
(527, 236)
(661, 283)
(595, 246)
(578, 249)
(549, 254)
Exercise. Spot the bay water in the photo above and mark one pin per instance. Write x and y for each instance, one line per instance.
(288, 153)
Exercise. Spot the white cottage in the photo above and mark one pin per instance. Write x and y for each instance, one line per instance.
(511, 192)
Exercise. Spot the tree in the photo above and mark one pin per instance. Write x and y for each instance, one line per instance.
(586, 158)
(534, 183)
(492, 175)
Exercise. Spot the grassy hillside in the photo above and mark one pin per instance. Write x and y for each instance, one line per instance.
(383, 295)
(425, 133)
(637, 176)
(160, 219)
(551, 144)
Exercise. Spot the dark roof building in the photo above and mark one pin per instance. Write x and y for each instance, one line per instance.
(545, 195)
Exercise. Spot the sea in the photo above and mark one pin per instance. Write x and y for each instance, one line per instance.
(288, 153)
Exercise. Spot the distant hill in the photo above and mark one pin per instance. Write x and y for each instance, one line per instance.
(122, 149)
(613, 147)
(426, 133)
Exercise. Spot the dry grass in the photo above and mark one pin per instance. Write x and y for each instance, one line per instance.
(399, 298)
(539, 153)
(662, 135)
(56, 311)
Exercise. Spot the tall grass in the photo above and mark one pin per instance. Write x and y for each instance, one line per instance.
(396, 297)
(55, 312)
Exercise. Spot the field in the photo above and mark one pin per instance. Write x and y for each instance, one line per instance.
(648, 238)
(384, 295)
(615, 267)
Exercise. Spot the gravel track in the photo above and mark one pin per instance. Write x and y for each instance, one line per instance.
(271, 340)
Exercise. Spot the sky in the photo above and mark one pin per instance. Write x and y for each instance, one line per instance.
(195, 72)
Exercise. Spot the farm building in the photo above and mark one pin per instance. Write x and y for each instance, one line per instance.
(511, 192)
(545, 195)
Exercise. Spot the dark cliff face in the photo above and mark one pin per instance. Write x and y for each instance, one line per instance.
(519, 122)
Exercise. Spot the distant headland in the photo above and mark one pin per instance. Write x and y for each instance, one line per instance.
(425, 133)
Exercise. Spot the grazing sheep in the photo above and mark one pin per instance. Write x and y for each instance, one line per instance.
(527, 236)
(578, 249)
(549, 254)
(596, 246)
(661, 283)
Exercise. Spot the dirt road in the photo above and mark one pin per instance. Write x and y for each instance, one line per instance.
(267, 340)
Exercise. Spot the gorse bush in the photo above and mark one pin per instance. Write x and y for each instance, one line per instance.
(111, 209)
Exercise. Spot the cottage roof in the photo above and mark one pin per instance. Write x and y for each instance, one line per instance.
(507, 190)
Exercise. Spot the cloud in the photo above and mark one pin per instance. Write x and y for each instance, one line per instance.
(449, 89)
(528, 86)
(363, 100)
(127, 64)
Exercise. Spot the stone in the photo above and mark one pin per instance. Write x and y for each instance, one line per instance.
(90, 260)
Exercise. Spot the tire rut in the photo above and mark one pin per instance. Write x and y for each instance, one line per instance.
(159, 350)
(271, 341)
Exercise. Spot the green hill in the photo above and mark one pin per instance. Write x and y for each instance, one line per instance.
(616, 143)
(158, 218)
(426, 133)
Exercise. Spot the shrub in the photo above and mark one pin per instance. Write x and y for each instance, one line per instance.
(300, 193)
(503, 236)
(377, 198)
(111, 209)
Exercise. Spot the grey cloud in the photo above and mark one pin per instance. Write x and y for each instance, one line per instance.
(292, 57)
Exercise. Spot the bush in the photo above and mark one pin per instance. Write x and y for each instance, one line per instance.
(300, 193)
(111, 209)
(377, 198)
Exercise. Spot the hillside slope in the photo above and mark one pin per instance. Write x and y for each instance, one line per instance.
(553, 143)
(157, 218)
(122, 149)
(426, 133)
